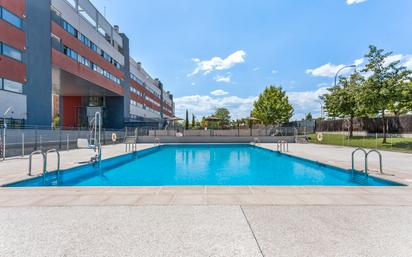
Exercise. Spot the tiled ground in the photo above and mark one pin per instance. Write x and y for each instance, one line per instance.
(208, 220)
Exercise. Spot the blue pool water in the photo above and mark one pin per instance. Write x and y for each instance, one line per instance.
(207, 165)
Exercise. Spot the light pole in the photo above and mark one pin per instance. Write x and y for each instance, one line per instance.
(341, 69)
(4, 131)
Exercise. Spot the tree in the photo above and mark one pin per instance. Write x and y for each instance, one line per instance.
(309, 117)
(343, 100)
(380, 92)
(273, 106)
(187, 120)
(193, 121)
(223, 114)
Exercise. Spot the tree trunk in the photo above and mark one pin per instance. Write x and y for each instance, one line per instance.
(398, 122)
(384, 127)
(351, 127)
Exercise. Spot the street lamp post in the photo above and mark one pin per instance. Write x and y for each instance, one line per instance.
(341, 69)
(4, 131)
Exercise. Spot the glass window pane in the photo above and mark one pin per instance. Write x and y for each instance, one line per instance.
(13, 86)
(10, 17)
(11, 52)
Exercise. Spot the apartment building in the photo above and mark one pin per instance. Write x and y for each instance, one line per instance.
(63, 58)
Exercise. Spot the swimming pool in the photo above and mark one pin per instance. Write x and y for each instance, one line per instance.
(207, 164)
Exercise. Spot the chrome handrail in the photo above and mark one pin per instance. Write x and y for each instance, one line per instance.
(44, 162)
(256, 140)
(157, 141)
(380, 159)
(353, 160)
(58, 162)
(282, 145)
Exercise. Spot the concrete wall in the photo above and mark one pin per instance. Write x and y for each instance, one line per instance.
(39, 79)
(151, 139)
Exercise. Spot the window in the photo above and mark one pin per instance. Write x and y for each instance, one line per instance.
(84, 61)
(69, 28)
(10, 52)
(11, 18)
(12, 86)
(85, 40)
(93, 46)
(69, 52)
(74, 55)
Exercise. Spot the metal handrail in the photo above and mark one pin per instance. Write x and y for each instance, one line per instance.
(380, 159)
(130, 143)
(353, 160)
(58, 162)
(31, 160)
(97, 127)
(256, 140)
(157, 141)
(282, 145)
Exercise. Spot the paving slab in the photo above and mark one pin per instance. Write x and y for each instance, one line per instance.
(338, 231)
(126, 231)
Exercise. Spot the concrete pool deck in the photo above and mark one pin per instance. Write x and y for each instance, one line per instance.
(209, 220)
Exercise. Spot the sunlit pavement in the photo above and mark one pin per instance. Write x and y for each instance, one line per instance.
(209, 221)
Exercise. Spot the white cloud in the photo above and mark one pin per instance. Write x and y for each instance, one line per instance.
(350, 2)
(408, 62)
(275, 71)
(217, 63)
(329, 70)
(193, 83)
(359, 61)
(393, 58)
(256, 69)
(219, 92)
(306, 101)
(326, 70)
(239, 107)
(205, 105)
(225, 79)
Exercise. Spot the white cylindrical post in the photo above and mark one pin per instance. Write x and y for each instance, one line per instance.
(4, 139)
(67, 142)
(22, 144)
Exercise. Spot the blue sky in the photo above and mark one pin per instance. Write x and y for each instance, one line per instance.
(223, 53)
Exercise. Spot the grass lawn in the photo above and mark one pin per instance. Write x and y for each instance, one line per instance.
(396, 144)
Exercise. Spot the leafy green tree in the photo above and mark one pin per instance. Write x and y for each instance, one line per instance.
(309, 116)
(187, 120)
(273, 106)
(193, 121)
(203, 122)
(343, 100)
(223, 114)
(380, 92)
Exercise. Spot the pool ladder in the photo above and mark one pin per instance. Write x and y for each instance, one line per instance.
(157, 141)
(44, 158)
(255, 141)
(282, 146)
(366, 155)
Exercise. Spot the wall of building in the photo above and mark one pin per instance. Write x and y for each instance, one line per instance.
(39, 84)
(41, 41)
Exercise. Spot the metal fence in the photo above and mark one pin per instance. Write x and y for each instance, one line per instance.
(394, 142)
(236, 132)
(26, 140)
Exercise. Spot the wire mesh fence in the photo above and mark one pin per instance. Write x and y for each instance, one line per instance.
(394, 142)
(23, 141)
